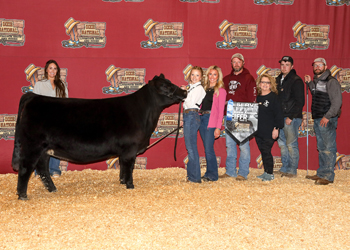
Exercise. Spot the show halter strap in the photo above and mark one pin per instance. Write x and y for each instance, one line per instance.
(178, 129)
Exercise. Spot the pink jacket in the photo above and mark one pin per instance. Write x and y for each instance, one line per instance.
(217, 109)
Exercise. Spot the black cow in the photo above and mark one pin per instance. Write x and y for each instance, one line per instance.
(86, 131)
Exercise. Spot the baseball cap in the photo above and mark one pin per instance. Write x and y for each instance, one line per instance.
(286, 59)
(239, 56)
(320, 59)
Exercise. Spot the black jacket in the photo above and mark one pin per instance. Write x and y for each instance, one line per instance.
(291, 94)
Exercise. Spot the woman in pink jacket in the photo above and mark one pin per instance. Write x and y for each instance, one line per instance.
(212, 112)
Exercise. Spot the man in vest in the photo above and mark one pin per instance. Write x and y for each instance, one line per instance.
(325, 108)
(291, 92)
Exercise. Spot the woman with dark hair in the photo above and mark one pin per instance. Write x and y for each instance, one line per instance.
(52, 86)
(212, 113)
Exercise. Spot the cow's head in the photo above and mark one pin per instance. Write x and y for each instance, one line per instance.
(165, 88)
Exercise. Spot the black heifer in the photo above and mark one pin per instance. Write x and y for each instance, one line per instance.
(85, 131)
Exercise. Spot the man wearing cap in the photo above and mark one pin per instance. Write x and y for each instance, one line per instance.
(291, 92)
(241, 87)
(325, 109)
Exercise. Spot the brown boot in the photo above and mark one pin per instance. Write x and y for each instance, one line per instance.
(312, 177)
(240, 178)
(322, 182)
(225, 176)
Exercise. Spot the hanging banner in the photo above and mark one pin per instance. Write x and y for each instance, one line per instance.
(242, 123)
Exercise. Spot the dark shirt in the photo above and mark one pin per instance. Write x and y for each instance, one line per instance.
(208, 100)
(270, 115)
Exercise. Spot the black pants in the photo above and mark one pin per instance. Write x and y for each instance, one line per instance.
(265, 146)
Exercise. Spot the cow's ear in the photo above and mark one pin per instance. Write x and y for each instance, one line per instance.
(155, 78)
(161, 76)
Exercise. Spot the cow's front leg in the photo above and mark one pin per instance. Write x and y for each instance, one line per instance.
(126, 168)
(43, 171)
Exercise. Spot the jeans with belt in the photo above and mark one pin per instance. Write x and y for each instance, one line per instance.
(191, 121)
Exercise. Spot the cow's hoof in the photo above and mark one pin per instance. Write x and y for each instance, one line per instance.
(122, 181)
(53, 190)
(23, 197)
(130, 186)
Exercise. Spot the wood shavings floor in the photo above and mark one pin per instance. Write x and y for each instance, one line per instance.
(91, 210)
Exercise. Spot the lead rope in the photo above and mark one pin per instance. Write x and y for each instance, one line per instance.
(178, 129)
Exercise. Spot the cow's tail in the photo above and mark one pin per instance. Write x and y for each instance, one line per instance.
(17, 147)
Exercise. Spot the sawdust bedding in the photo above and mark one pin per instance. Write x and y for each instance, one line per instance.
(91, 210)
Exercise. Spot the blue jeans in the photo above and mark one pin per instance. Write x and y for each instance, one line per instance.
(327, 147)
(288, 143)
(191, 125)
(207, 135)
(54, 166)
(231, 159)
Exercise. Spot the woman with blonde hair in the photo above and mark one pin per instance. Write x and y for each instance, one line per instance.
(270, 121)
(191, 122)
(212, 113)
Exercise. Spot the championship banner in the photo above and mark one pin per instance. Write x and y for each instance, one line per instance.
(241, 120)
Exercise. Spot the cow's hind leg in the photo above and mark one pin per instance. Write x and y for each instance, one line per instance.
(126, 169)
(42, 169)
(27, 163)
(24, 173)
(121, 173)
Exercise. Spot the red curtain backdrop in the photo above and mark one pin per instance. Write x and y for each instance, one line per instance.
(44, 31)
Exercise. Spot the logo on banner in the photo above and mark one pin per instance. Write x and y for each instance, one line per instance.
(7, 126)
(203, 1)
(88, 34)
(241, 120)
(272, 72)
(167, 122)
(242, 36)
(115, 1)
(310, 36)
(307, 125)
(269, 2)
(277, 163)
(337, 2)
(35, 74)
(124, 80)
(343, 77)
(140, 163)
(187, 72)
(166, 35)
(12, 32)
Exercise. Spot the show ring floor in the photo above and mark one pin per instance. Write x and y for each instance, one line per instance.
(91, 210)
